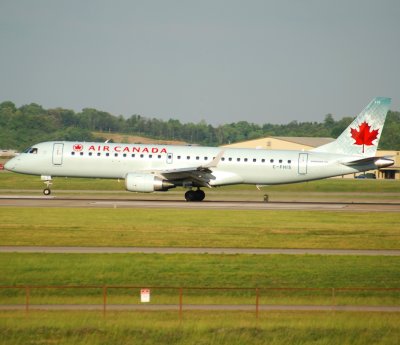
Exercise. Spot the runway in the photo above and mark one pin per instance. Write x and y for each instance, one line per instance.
(42, 201)
(177, 250)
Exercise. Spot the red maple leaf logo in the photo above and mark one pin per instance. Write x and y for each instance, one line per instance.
(364, 135)
(78, 147)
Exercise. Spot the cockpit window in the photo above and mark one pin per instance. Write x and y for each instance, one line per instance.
(33, 150)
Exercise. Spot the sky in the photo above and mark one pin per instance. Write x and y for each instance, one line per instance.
(214, 60)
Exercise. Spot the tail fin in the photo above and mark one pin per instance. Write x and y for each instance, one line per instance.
(361, 138)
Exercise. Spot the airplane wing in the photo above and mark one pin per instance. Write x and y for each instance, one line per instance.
(200, 175)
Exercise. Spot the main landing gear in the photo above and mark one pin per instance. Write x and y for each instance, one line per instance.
(195, 195)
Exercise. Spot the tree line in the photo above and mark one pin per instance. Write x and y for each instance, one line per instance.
(31, 123)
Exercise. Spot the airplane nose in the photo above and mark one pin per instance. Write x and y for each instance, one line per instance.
(10, 165)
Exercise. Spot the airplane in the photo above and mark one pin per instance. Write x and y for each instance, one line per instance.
(149, 168)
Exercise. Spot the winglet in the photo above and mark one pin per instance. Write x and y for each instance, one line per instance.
(215, 161)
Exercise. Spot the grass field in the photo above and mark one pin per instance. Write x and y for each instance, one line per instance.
(201, 270)
(198, 328)
(199, 228)
(179, 270)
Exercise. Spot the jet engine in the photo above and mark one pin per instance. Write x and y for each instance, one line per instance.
(146, 183)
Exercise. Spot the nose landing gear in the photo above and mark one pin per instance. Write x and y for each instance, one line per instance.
(195, 195)
(47, 181)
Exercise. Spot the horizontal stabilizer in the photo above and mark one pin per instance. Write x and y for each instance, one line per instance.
(380, 162)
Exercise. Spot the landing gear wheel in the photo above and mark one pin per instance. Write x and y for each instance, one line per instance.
(197, 195)
(190, 195)
(200, 195)
(47, 181)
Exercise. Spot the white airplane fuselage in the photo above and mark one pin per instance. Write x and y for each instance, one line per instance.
(247, 166)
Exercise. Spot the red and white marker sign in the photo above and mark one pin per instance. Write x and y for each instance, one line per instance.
(145, 295)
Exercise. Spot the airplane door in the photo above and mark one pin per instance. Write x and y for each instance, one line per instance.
(58, 154)
(303, 158)
(170, 157)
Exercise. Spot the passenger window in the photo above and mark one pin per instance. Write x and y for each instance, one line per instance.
(205, 158)
(245, 159)
(159, 156)
(271, 160)
(188, 157)
(280, 161)
(141, 156)
(98, 154)
(197, 158)
(254, 160)
(133, 155)
(115, 154)
(230, 159)
(179, 157)
(81, 153)
(107, 154)
(124, 155)
(150, 156)
(73, 153)
(289, 161)
(238, 159)
(90, 153)
(223, 158)
(263, 160)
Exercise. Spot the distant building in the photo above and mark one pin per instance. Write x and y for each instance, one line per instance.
(392, 172)
(8, 153)
(308, 143)
(283, 143)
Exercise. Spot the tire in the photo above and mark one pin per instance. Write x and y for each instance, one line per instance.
(200, 195)
(190, 195)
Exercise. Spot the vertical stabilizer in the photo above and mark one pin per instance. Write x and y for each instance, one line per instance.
(361, 138)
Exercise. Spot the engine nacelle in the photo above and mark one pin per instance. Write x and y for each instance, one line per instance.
(146, 183)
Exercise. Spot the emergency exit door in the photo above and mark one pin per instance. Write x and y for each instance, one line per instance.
(58, 154)
(303, 159)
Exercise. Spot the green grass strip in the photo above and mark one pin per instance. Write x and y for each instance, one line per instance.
(217, 328)
(199, 228)
(312, 271)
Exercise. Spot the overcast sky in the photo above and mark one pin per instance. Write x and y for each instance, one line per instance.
(213, 60)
